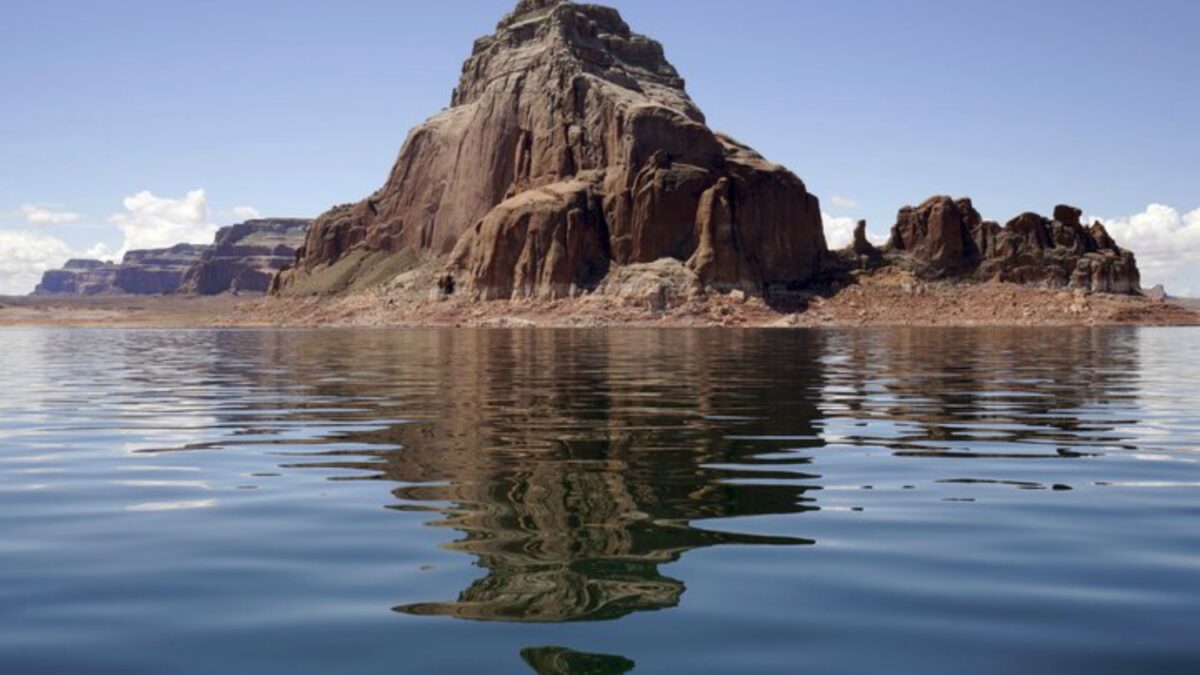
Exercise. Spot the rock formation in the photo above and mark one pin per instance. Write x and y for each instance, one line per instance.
(938, 233)
(157, 271)
(245, 257)
(148, 272)
(570, 147)
(947, 238)
(78, 277)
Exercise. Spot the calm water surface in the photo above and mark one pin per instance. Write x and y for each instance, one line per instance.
(599, 502)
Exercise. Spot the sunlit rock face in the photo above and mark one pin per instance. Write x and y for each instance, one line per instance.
(571, 145)
(947, 238)
(245, 257)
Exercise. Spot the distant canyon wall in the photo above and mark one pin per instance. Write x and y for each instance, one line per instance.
(243, 258)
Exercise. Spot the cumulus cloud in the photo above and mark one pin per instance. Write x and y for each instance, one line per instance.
(839, 232)
(1167, 245)
(40, 215)
(24, 256)
(242, 213)
(843, 202)
(150, 221)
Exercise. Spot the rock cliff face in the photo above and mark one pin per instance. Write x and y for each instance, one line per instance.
(947, 238)
(157, 271)
(149, 272)
(245, 257)
(572, 146)
(78, 277)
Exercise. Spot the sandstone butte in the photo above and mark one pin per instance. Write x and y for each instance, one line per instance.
(571, 147)
(572, 162)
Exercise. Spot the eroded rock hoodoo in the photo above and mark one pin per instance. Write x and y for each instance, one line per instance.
(947, 238)
(571, 147)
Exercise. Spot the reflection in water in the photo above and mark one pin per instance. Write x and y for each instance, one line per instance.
(573, 474)
(999, 394)
(560, 661)
(212, 501)
(574, 464)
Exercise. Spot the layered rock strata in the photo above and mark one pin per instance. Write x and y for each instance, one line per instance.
(245, 257)
(146, 272)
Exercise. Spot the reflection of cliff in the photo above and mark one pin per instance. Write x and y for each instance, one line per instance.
(559, 661)
(573, 471)
(980, 393)
(572, 465)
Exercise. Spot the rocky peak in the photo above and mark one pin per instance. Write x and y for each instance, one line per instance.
(572, 39)
(571, 146)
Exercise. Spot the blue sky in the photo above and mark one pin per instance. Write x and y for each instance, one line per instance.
(116, 115)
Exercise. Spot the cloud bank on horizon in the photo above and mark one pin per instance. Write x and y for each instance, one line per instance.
(147, 221)
(1167, 245)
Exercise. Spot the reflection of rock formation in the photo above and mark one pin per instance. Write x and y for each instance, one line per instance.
(559, 661)
(573, 535)
(998, 393)
(573, 473)
(572, 465)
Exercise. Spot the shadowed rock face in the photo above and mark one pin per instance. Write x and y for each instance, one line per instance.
(148, 272)
(947, 238)
(245, 257)
(571, 144)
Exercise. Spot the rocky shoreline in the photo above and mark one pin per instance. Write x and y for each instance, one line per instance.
(656, 295)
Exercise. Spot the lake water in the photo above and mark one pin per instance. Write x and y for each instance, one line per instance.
(600, 502)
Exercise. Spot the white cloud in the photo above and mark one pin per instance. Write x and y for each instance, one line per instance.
(150, 221)
(244, 213)
(24, 256)
(41, 216)
(843, 202)
(1167, 245)
(839, 232)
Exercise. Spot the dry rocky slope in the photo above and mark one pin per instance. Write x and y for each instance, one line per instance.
(245, 257)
